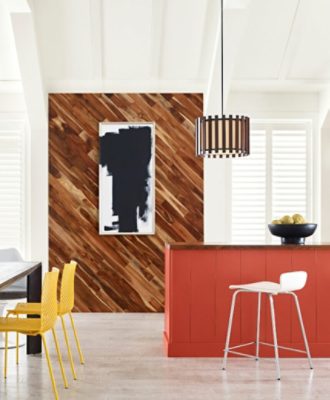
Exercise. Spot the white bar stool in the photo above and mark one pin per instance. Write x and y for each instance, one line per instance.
(289, 282)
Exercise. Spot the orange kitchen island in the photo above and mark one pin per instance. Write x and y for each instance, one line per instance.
(197, 297)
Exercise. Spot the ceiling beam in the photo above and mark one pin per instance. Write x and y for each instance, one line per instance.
(293, 39)
(96, 30)
(288, 85)
(126, 86)
(157, 37)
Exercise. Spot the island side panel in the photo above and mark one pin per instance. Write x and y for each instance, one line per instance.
(253, 269)
(180, 282)
(168, 297)
(278, 262)
(228, 272)
(203, 296)
(323, 299)
(305, 260)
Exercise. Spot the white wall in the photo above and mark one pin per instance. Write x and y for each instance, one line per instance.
(12, 103)
(256, 105)
(324, 121)
(36, 104)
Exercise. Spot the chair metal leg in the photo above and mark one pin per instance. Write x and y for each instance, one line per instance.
(303, 330)
(59, 356)
(50, 368)
(258, 327)
(272, 312)
(230, 323)
(68, 348)
(6, 355)
(17, 345)
(81, 357)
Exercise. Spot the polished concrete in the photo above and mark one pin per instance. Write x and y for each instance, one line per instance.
(124, 360)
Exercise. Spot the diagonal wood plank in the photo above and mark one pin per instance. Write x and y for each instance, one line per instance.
(121, 273)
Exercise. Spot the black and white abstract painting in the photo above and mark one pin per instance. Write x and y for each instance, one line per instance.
(127, 178)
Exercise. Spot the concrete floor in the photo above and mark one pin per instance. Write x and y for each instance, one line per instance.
(124, 360)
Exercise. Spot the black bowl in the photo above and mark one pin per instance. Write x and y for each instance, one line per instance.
(292, 233)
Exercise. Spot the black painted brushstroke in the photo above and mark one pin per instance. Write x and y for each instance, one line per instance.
(127, 155)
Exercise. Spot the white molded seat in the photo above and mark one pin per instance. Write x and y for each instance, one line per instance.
(289, 283)
(264, 287)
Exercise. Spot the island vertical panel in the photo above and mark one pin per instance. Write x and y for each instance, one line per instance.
(322, 268)
(253, 269)
(180, 281)
(277, 263)
(228, 272)
(203, 296)
(304, 260)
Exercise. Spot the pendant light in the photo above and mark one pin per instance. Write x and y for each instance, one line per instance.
(222, 136)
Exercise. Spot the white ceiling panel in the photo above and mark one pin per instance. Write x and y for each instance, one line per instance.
(185, 23)
(64, 36)
(266, 39)
(127, 38)
(311, 58)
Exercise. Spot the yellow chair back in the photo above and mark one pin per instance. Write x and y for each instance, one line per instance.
(67, 288)
(49, 300)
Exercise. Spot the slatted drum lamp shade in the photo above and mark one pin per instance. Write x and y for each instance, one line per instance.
(224, 137)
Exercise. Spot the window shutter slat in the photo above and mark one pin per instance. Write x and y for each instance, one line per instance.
(11, 183)
(264, 189)
(249, 193)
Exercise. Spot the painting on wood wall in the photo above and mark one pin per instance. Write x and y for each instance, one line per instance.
(127, 178)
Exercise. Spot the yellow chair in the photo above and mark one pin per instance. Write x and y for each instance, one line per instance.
(65, 306)
(39, 326)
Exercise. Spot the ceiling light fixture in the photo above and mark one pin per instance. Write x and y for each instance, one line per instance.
(222, 136)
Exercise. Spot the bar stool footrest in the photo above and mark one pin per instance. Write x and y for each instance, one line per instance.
(241, 354)
(231, 349)
(284, 347)
(241, 345)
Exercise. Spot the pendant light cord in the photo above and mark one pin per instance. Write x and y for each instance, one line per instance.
(222, 57)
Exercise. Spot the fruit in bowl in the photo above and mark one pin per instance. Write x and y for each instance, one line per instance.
(287, 219)
(292, 229)
(298, 219)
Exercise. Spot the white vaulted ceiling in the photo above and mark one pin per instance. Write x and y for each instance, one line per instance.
(285, 46)
(122, 40)
(130, 44)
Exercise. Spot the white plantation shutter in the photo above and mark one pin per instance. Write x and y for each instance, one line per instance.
(12, 183)
(273, 181)
(249, 192)
(289, 172)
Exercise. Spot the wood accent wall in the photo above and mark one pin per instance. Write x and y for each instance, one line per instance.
(121, 273)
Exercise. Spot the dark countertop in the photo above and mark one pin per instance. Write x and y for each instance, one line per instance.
(202, 245)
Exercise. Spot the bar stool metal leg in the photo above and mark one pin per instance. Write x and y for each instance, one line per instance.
(303, 330)
(258, 326)
(272, 312)
(230, 323)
